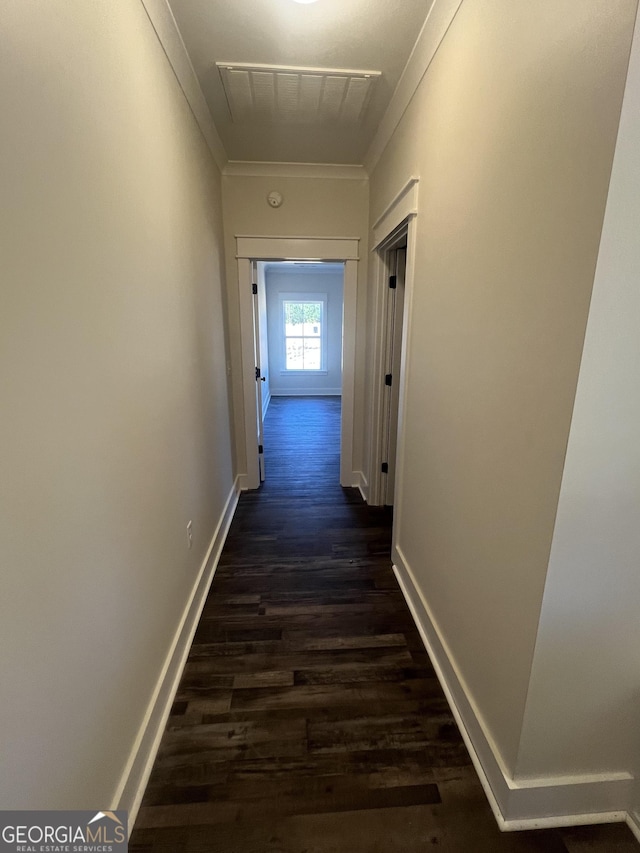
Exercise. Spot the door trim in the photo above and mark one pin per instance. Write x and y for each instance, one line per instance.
(345, 250)
(403, 205)
(297, 248)
(398, 219)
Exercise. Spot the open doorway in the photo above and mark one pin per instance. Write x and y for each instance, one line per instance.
(298, 328)
(395, 261)
(303, 309)
(251, 251)
(389, 332)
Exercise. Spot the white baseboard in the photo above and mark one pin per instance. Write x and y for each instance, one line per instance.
(305, 392)
(361, 482)
(633, 822)
(138, 768)
(265, 404)
(516, 803)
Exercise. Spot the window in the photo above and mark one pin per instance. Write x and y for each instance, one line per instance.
(304, 333)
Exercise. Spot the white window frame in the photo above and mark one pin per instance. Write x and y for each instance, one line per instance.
(297, 296)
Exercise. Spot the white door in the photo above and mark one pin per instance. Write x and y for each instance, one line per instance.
(397, 261)
(259, 375)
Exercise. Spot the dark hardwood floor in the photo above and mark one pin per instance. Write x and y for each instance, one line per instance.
(309, 718)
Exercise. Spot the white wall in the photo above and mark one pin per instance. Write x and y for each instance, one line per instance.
(115, 429)
(512, 133)
(583, 708)
(329, 283)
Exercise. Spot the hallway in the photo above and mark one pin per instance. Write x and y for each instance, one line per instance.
(309, 718)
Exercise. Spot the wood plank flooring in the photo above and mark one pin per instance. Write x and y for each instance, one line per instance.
(309, 718)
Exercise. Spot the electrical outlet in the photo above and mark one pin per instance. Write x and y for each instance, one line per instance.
(189, 534)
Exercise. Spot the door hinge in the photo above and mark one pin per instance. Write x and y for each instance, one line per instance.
(260, 449)
(385, 468)
(257, 373)
(387, 379)
(393, 282)
(254, 288)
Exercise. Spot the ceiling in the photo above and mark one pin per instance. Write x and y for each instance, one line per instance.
(297, 114)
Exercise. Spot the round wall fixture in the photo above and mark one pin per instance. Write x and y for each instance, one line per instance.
(274, 198)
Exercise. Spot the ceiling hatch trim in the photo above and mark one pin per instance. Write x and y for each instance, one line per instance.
(271, 169)
(299, 95)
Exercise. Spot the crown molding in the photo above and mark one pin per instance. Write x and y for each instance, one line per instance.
(264, 169)
(431, 35)
(166, 29)
(401, 207)
(310, 69)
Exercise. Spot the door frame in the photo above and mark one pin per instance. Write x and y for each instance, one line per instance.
(337, 249)
(394, 311)
(398, 219)
(257, 353)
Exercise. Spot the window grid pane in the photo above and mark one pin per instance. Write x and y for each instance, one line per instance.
(303, 335)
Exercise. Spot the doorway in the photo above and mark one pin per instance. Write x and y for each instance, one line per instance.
(393, 262)
(396, 261)
(251, 250)
(304, 329)
(298, 330)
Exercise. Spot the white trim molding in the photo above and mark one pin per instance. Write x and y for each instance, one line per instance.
(633, 822)
(168, 34)
(435, 28)
(399, 215)
(297, 248)
(516, 803)
(135, 776)
(304, 392)
(260, 169)
(265, 404)
(403, 205)
(362, 485)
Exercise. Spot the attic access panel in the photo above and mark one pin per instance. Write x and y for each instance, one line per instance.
(267, 93)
